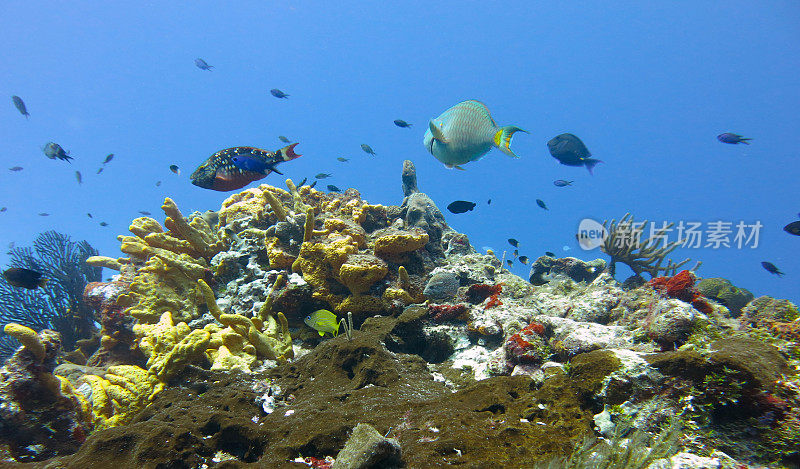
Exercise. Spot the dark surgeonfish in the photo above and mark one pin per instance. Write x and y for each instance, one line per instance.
(234, 168)
(733, 139)
(53, 150)
(771, 268)
(465, 133)
(793, 228)
(401, 123)
(569, 150)
(460, 206)
(278, 93)
(202, 65)
(24, 278)
(20, 105)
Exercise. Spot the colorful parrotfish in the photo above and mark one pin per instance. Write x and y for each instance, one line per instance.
(234, 168)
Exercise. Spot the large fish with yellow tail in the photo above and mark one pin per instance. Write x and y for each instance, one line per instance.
(465, 133)
(234, 168)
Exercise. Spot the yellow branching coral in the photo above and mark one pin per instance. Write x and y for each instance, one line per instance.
(28, 338)
(269, 336)
(169, 346)
(107, 262)
(277, 207)
(197, 232)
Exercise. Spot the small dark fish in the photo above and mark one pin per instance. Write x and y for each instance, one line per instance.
(313, 184)
(323, 175)
(100, 170)
(333, 188)
(516, 252)
(175, 169)
(569, 150)
(44, 214)
(540, 203)
(3, 209)
(158, 183)
(145, 212)
(550, 254)
(78, 177)
(24, 278)
(368, 149)
(510, 262)
(53, 150)
(793, 228)
(102, 223)
(401, 123)
(733, 139)
(278, 93)
(562, 183)
(234, 168)
(489, 202)
(342, 159)
(89, 215)
(523, 259)
(15, 168)
(771, 268)
(284, 139)
(303, 182)
(461, 206)
(513, 242)
(108, 158)
(20, 104)
(202, 65)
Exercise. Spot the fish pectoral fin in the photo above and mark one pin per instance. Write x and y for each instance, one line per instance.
(458, 167)
(502, 139)
(436, 131)
(274, 170)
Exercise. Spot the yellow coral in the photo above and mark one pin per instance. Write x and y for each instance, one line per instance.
(28, 338)
(120, 394)
(197, 232)
(400, 242)
(103, 261)
(170, 347)
(361, 271)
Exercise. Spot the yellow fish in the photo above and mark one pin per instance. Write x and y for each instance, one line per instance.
(323, 321)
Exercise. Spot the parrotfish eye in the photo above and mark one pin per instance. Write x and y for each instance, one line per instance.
(307, 318)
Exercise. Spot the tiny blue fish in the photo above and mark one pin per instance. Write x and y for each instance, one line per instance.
(20, 105)
(278, 93)
(733, 139)
(562, 183)
(541, 203)
(202, 65)
(465, 133)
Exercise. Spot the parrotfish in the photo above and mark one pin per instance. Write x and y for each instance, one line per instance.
(20, 105)
(733, 139)
(401, 123)
(53, 150)
(234, 168)
(465, 133)
(202, 65)
(569, 150)
(278, 93)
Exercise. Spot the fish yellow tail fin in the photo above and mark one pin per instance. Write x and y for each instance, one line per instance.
(502, 139)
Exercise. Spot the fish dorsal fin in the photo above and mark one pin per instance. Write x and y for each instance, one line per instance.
(436, 131)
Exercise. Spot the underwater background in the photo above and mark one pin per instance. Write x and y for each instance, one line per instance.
(364, 305)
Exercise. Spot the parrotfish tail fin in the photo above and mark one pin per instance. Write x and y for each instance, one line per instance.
(502, 139)
(590, 164)
(288, 154)
(436, 131)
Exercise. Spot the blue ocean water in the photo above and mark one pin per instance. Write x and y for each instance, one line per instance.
(647, 87)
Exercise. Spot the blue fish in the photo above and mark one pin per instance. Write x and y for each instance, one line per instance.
(733, 139)
(202, 65)
(465, 133)
(569, 150)
(20, 105)
(278, 93)
(562, 183)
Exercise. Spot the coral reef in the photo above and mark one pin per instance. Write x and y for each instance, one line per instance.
(722, 291)
(624, 244)
(58, 305)
(681, 286)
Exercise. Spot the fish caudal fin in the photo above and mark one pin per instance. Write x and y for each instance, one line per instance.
(502, 139)
(745, 140)
(288, 154)
(436, 131)
(590, 164)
